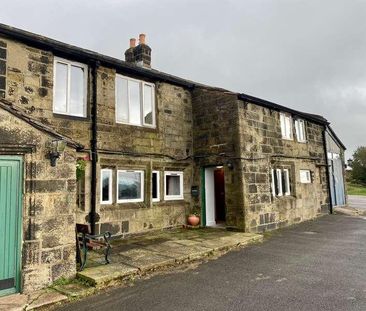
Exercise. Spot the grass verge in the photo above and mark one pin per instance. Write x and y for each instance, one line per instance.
(356, 189)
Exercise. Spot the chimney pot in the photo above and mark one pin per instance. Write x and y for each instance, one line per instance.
(132, 42)
(142, 38)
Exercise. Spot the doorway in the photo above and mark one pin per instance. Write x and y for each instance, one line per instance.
(10, 223)
(215, 210)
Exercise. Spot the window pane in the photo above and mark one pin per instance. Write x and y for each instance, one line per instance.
(135, 103)
(283, 125)
(77, 103)
(288, 127)
(286, 182)
(154, 189)
(173, 185)
(302, 130)
(106, 175)
(129, 185)
(148, 104)
(279, 182)
(121, 100)
(60, 88)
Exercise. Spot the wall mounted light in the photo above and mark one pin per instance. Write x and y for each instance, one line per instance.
(55, 149)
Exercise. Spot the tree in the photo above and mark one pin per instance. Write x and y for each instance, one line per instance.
(358, 165)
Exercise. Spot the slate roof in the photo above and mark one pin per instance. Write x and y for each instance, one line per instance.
(88, 56)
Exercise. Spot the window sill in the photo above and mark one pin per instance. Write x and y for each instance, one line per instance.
(174, 199)
(130, 201)
(70, 117)
(152, 127)
(286, 197)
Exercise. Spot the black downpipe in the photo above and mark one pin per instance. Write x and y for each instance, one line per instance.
(94, 152)
(327, 172)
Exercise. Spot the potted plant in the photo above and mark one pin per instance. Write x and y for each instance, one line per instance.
(193, 218)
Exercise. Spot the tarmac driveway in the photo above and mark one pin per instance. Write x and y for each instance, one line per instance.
(318, 265)
(357, 201)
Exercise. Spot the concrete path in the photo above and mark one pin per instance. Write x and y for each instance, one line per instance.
(318, 265)
(357, 201)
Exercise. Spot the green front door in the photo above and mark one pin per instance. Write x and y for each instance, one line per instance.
(10, 223)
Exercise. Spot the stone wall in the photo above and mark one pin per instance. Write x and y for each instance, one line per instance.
(168, 147)
(262, 148)
(29, 85)
(48, 235)
(217, 142)
(248, 136)
(29, 80)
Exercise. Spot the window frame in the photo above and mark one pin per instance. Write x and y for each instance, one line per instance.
(110, 171)
(279, 182)
(300, 129)
(181, 186)
(70, 63)
(279, 187)
(142, 180)
(284, 133)
(142, 96)
(308, 174)
(157, 199)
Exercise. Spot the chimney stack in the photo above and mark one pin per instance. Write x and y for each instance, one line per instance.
(139, 55)
(129, 54)
(142, 38)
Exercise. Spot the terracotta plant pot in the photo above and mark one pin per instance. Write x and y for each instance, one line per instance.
(193, 220)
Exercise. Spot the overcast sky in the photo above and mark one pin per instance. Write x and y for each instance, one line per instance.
(306, 54)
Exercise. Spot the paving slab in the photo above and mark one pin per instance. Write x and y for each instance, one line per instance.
(97, 276)
(74, 289)
(143, 259)
(159, 249)
(15, 302)
(44, 298)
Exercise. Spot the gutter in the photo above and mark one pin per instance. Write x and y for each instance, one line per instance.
(327, 171)
(94, 152)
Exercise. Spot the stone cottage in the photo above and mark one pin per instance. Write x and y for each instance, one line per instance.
(87, 138)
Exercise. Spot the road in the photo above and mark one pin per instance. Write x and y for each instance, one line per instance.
(317, 265)
(357, 201)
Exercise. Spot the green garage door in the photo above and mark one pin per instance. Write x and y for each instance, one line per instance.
(10, 223)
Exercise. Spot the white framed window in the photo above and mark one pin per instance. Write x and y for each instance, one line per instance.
(286, 126)
(305, 176)
(69, 87)
(155, 186)
(130, 186)
(280, 182)
(300, 130)
(106, 186)
(286, 182)
(173, 185)
(135, 102)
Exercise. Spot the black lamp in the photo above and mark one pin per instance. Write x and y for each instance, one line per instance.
(56, 148)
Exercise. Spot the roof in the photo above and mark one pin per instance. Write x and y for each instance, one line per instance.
(264, 103)
(336, 138)
(89, 56)
(21, 114)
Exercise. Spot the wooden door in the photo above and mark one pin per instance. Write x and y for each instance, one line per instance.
(10, 223)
